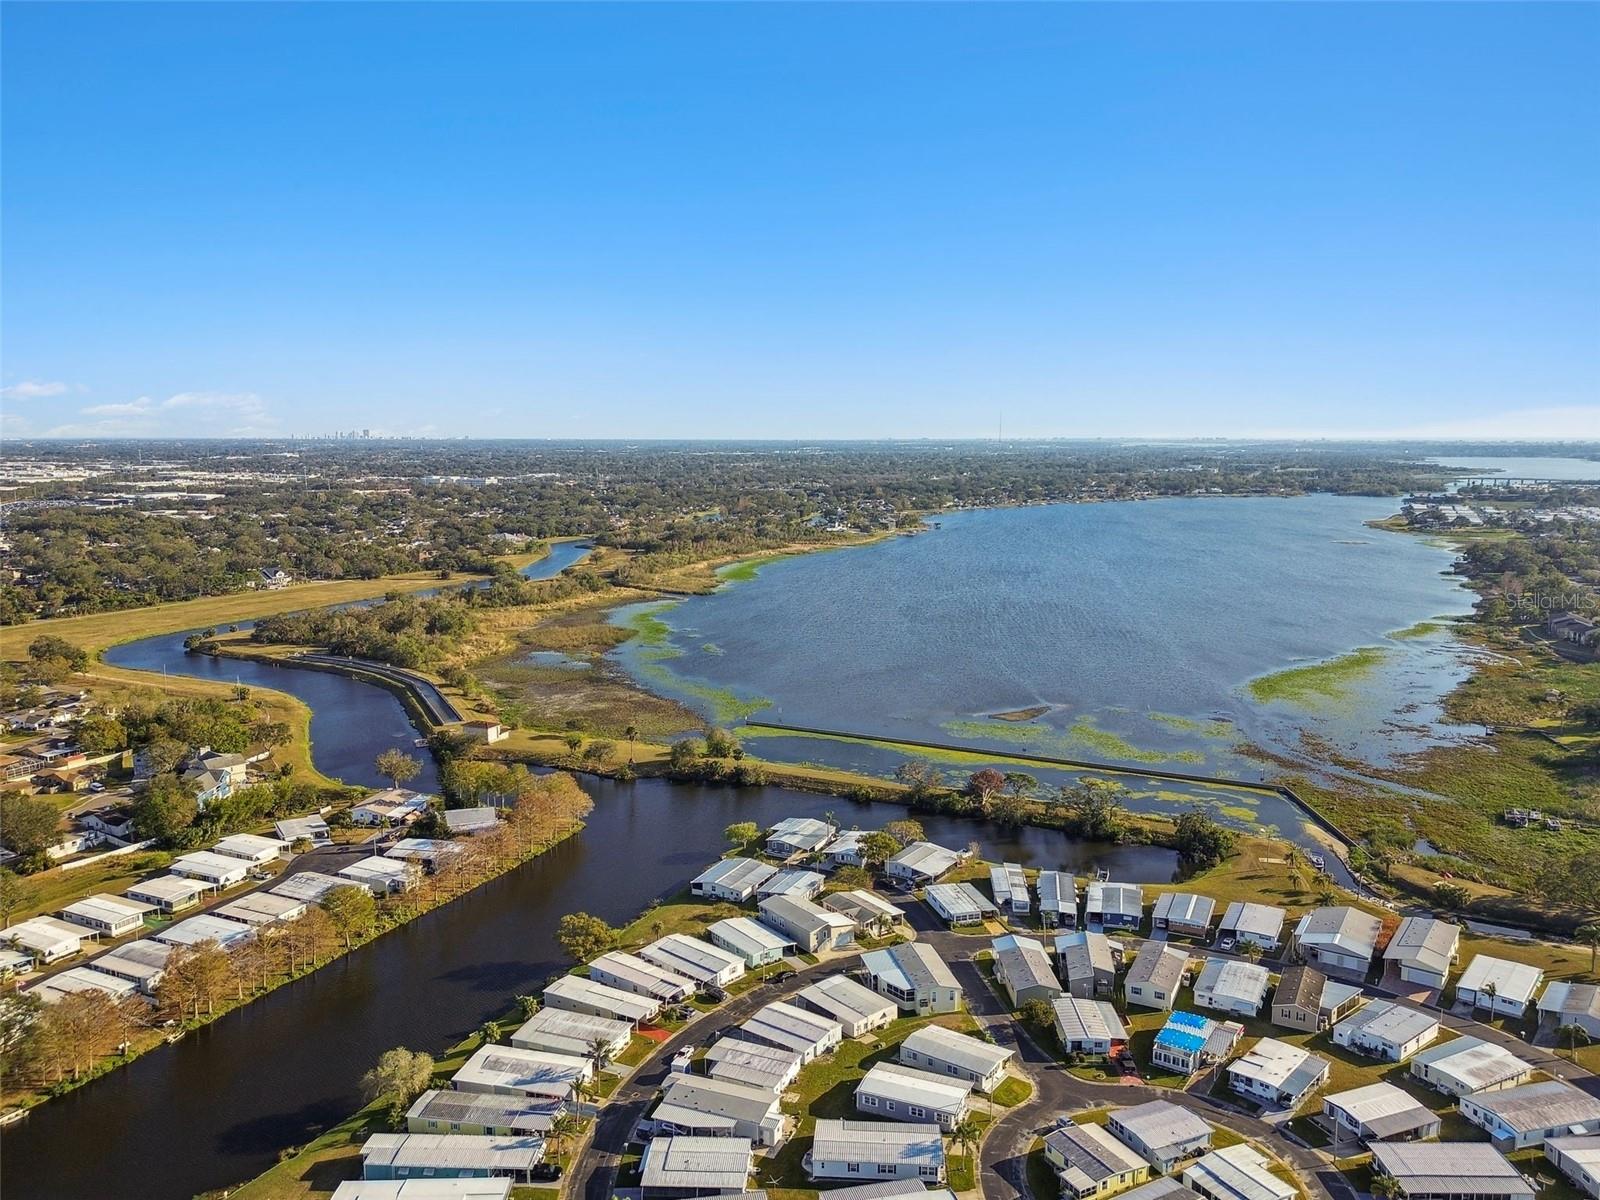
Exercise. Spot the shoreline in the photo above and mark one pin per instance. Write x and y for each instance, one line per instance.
(21, 1103)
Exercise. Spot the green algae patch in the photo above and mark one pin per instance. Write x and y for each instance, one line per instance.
(1214, 729)
(746, 569)
(1317, 682)
(1421, 629)
(1084, 735)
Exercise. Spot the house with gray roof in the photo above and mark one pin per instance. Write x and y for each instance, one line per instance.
(630, 973)
(798, 835)
(1386, 1030)
(783, 1024)
(704, 963)
(855, 1006)
(1566, 1003)
(1164, 1133)
(450, 1156)
(1088, 1161)
(1009, 885)
(1276, 1074)
(675, 1167)
(809, 926)
(922, 863)
(1309, 1001)
(1578, 1158)
(1058, 899)
(755, 1063)
(1089, 1026)
(574, 1033)
(1499, 985)
(1450, 1171)
(1086, 964)
(798, 884)
(1156, 975)
(1109, 905)
(732, 879)
(1238, 1172)
(914, 976)
(1468, 1065)
(1525, 1116)
(446, 1111)
(1339, 940)
(1232, 985)
(1023, 968)
(509, 1071)
(958, 903)
(1261, 924)
(704, 1106)
(1378, 1112)
(1183, 913)
(870, 912)
(900, 1093)
(758, 944)
(1423, 950)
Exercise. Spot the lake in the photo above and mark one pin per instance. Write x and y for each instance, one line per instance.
(1529, 467)
(1128, 633)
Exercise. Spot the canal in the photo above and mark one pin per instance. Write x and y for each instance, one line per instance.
(216, 1107)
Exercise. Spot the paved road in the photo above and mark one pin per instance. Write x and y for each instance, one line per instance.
(1003, 1155)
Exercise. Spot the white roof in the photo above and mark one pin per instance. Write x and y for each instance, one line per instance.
(1450, 1168)
(207, 865)
(471, 820)
(496, 1188)
(1159, 964)
(1091, 1020)
(801, 884)
(1160, 1123)
(640, 973)
(294, 828)
(1272, 1062)
(203, 928)
(142, 960)
(803, 914)
(423, 849)
(737, 874)
(110, 909)
(888, 1142)
(46, 934)
(703, 1164)
(625, 1005)
(1543, 1105)
(1377, 1101)
(750, 935)
(843, 998)
(807, 833)
(1389, 1022)
(167, 887)
(375, 868)
(1008, 882)
(1575, 999)
(910, 1086)
(785, 1025)
(925, 858)
(1424, 943)
(752, 1062)
(250, 845)
(965, 1051)
(958, 900)
(582, 1029)
(309, 886)
(690, 957)
(260, 908)
(1186, 908)
(1340, 929)
(536, 1072)
(1474, 1063)
(78, 980)
(1250, 920)
(1235, 980)
(1240, 1172)
(1126, 899)
(1512, 980)
(452, 1151)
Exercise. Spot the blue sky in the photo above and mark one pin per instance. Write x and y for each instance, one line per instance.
(810, 221)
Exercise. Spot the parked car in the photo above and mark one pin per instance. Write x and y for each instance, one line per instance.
(1226, 943)
(545, 1172)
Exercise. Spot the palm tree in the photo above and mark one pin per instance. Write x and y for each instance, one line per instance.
(562, 1127)
(527, 1005)
(966, 1133)
(600, 1051)
(1325, 894)
(489, 1031)
(1572, 1034)
(1250, 950)
(631, 732)
(1386, 1186)
(1487, 993)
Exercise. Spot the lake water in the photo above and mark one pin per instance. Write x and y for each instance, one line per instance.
(1587, 469)
(1135, 629)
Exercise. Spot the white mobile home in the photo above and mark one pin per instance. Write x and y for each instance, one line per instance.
(1163, 1132)
(871, 913)
(845, 850)
(731, 879)
(921, 863)
(313, 829)
(251, 848)
(809, 926)
(1565, 1003)
(48, 940)
(1277, 1074)
(902, 1094)
(958, 903)
(703, 962)
(1231, 986)
(510, 1071)
(791, 1028)
(380, 875)
(575, 1033)
(942, 1051)
(629, 973)
(1258, 924)
(1578, 1158)
(261, 908)
(1499, 985)
(169, 893)
(700, 1106)
(1183, 913)
(857, 1008)
(112, 916)
(1009, 886)
(877, 1150)
(192, 931)
(1386, 1030)
(1525, 1116)
(217, 870)
(1237, 1173)
(432, 1156)
(1423, 950)
(468, 822)
(798, 835)
(1449, 1171)
(796, 884)
(1339, 940)
(446, 1111)
(573, 993)
(1109, 905)
(1156, 976)
(79, 981)
(141, 963)
(752, 941)
(1089, 1026)
(1058, 900)
(1467, 1065)
(1379, 1112)
(674, 1167)
(309, 887)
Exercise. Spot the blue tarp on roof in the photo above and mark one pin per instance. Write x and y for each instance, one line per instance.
(1181, 1039)
(1188, 1020)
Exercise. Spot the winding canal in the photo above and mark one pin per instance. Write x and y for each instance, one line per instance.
(216, 1107)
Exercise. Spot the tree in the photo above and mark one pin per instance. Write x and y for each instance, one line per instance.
(1387, 1187)
(584, 937)
(573, 741)
(598, 753)
(1589, 936)
(397, 766)
(27, 824)
(906, 831)
(1201, 842)
(563, 1126)
(166, 809)
(165, 754)
(1451, 896)
(195, 979)
(1037, 1012)
(742, 833)
(920, 779)
(1572, 1034)
(14, 894)
(100, 734)
(400, 1076)
(527, 1006)
(489, 1032)
(985, 784)
(352, 910)
(684, 753)
(878, 848)
(1020, 783)
(631, 732)
(1097, 805)
(720, 743)
(967, 1132)
(1249, 949)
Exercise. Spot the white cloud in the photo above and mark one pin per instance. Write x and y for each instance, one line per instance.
(34, 389)
(184, 414)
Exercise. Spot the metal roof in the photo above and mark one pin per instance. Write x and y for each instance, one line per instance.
(1450, 1168)
(785, 1025)
(925, 858)
(1235, 980)
(1388, 1022)
(1160, 1123)
(911, 1086)
(310, 886)
(1543, 1105)
(1425, 943)
(1126, 899)
(736, 874)
(702, 1163)
(1094, 1020)
(965, 1051)
(1473, 1063)
(1382, 1109)
(889, 1142)
(843, 998)
(1186, 908)
(1341, 929)
(1511, 980)
(1160, 965)
(453, 1151)
(1091, 1154)
(1278, 1065)
(910, 967)
(167, 887)
(1250, 920)
(525, 1114)
(1240, 1172)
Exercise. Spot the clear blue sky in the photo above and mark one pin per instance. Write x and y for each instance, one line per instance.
(834, 220)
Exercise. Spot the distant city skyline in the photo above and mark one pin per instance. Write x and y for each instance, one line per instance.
(801, 222)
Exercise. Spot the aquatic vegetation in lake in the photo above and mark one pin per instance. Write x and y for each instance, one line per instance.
(1335, 679)
(711, 648)
(654, 636)
(746, 569)
(1421, 629)
(1083, 735)
(1215, 728)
